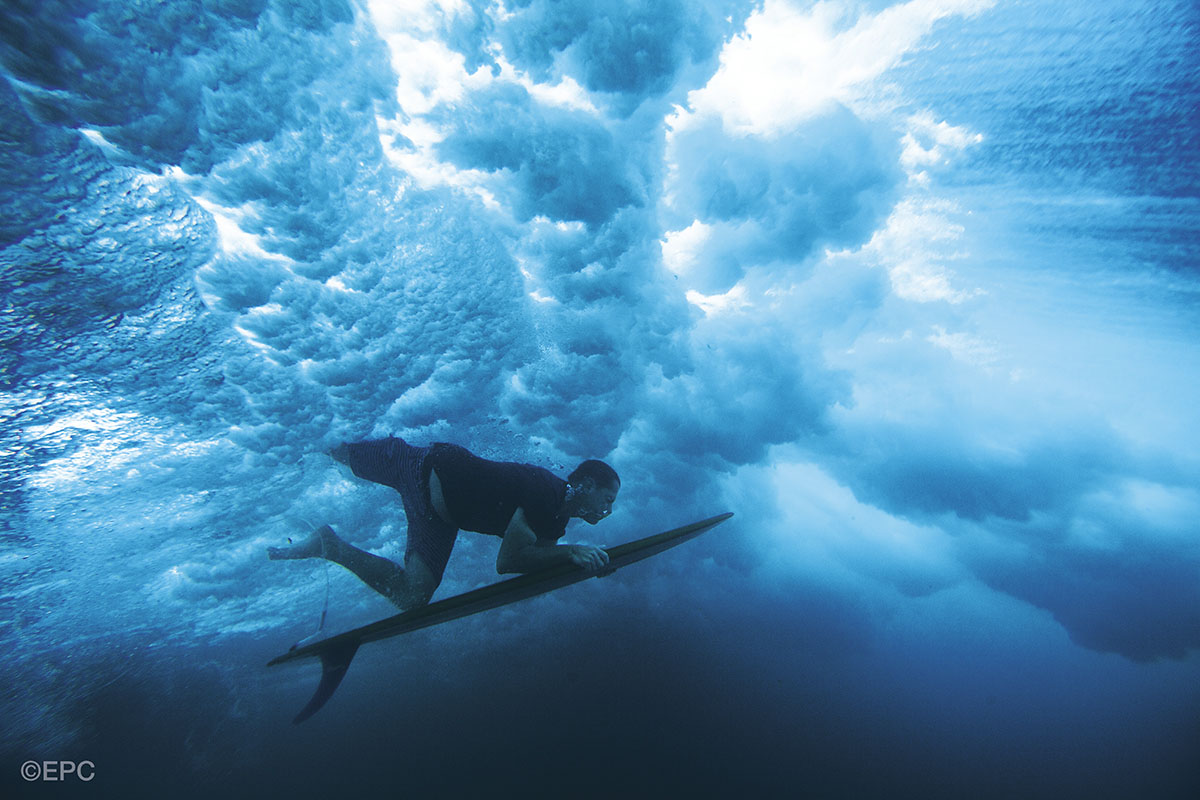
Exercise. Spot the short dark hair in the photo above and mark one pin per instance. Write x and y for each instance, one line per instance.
(598, 471)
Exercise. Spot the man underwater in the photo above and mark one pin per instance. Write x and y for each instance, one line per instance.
(446, 488)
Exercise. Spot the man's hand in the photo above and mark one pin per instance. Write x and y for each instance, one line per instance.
(521, 551)
(593, 559)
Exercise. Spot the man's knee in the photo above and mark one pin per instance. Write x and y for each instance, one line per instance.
(341, 453)
(422, 582)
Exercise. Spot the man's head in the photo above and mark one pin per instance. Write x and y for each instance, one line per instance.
(591, 490)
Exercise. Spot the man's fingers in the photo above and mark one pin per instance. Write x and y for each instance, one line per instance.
(593, 560)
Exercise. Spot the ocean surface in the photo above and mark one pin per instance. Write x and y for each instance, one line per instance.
(911, 288)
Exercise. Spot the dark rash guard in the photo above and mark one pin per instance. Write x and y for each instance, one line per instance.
(483, 495)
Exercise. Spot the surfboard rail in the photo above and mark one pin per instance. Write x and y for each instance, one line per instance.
(336, 652)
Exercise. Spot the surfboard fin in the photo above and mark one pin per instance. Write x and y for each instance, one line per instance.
(335, 660)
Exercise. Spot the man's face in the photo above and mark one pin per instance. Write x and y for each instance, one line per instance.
(597, 501)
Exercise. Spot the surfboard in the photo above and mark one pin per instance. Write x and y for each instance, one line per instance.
(336, 652)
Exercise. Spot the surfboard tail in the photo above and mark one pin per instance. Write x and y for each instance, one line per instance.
(335, 660)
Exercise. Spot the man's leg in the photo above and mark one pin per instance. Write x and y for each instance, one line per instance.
(392, 462)
(408, 587)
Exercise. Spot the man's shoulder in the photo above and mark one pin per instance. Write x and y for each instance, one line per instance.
(542, 476)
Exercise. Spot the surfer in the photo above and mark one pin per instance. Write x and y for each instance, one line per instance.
(446, 488)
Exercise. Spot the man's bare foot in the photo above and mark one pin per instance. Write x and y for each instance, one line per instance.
(316, 544)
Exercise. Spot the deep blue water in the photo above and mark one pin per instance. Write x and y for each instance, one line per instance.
(911, 288)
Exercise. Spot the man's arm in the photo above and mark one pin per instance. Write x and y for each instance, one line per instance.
(520, 551)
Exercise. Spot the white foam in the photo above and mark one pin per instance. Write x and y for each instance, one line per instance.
(789, 64)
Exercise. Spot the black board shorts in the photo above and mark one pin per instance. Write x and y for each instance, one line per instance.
(396, 463)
